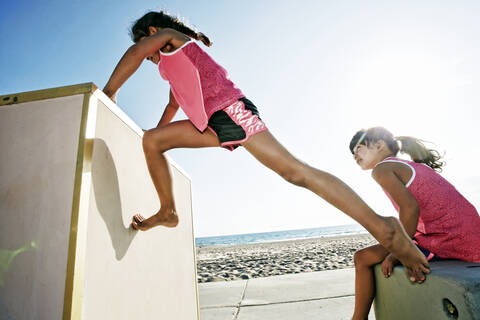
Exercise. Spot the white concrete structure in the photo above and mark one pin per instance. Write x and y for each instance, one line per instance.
(72, 175)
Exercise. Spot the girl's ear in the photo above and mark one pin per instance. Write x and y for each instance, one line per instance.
(381, 145)
(152, 30)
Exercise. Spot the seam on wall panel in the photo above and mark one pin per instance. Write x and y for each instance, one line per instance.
(197, 297)
(74, 281)
(29, 96)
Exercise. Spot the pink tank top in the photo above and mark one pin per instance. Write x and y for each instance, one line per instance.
(198, 83)
(448, 224)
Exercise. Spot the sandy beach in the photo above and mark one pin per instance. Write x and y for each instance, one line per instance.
(225, 263)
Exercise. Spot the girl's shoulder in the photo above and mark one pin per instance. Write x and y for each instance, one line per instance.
(401, 168)
(389, 163)
(384, 168)
(392, 162)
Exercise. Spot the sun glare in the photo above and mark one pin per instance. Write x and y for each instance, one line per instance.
(403, 90)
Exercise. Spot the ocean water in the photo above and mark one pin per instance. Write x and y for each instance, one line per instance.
(280, 235)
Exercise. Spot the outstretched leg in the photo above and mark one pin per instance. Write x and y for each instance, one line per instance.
(365, 260)
(179, 134)
(387, 230)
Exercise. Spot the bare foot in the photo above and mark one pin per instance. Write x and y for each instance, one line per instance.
(402, 247)
(166, 217)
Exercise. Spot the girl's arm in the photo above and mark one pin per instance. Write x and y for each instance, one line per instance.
(385, 174)
(170, 111)
(134, 56)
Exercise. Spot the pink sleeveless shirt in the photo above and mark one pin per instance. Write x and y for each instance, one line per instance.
(198, 83)
(448, 225)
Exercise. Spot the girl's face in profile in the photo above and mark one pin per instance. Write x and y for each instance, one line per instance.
(366, 156)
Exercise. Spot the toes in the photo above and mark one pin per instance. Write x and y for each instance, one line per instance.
(411, 274)
(419, 276)
(425, 269)
(136, 222)
(422, 275)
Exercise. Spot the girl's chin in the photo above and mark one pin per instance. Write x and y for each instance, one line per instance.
(363, 166)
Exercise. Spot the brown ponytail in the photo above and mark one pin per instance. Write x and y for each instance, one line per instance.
(163, 20)
(201, 37)
(416, 149)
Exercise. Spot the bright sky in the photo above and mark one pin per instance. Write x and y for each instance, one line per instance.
(317, 70)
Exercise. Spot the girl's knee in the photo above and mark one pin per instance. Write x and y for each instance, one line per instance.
(296, 175)
(147, 140)
(152, 141)
(359, 257)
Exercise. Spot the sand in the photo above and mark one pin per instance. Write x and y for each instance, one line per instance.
(225, 263)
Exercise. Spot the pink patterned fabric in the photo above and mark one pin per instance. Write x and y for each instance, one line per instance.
(448, 224)
(198, 83)
(250, 122)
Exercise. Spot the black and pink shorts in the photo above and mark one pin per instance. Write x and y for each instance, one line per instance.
(236, 123)
(428, 254)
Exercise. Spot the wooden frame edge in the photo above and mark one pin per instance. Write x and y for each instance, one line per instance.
(15, 98)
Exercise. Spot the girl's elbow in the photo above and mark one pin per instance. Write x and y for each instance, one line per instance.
(173, 106)
(411, 210)
(411, 206)
(415, 208)
(136, 52)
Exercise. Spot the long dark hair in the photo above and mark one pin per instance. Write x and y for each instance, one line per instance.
(414, 147)
(164, 20)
